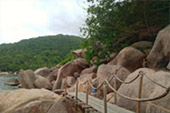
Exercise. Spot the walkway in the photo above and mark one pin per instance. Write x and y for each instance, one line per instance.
(99, 104)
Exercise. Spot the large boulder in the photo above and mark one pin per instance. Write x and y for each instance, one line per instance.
(27, 101)
(130, 58)
(79, 53)
(107, 71)
(53, 75)
(142, 45)
(27, 79)
(4, 73)
(12, 82)
(92, 69)
(159, 56)
(168, 67)
(82, 86)
(42, 82)
(43, 71)
(63, 106)
(69, 69)
(70, 80)
(149, 89)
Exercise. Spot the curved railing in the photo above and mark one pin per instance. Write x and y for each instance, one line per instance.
(106, 83)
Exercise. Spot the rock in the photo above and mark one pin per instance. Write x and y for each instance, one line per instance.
(27, 101)
(42, 71)
(69, 69)
(107, 71)
(109, 96)
(168, 67)
(76, 75)
(27, 79)
(12, 82)
(79, 53)
(130, 58)
(63, 106)
(42, 82)
(82, 86)
(83, 79)
(159, 56)
(142, 45)
(92, 69)
(149, 89)
(71, 80)
(53, 75)
(4, 73)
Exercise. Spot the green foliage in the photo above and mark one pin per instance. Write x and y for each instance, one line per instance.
(37, 52)
(118, 24)
(69, 57)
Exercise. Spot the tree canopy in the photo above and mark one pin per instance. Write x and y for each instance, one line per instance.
(116, 24)
(37, 52)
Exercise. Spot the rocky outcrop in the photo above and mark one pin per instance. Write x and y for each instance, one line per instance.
(107, 71)
(43, 71)
(168, 67)
(159, 56)
(27, 101)
(27, 79)
(109, 96)
(149, 89)
(92, 69)
(79, 53)
(63, 106)
(69, 69)
(82, 86)
(4, 73)
(142, 45)
(130, 58)
(53, 75)
(12, 82)
(70, 80)
(42, 82)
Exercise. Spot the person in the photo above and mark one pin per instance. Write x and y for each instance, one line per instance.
(94, 91)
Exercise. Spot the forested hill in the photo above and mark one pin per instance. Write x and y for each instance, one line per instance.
(37, 52)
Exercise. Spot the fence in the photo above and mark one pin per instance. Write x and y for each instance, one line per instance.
(116, 78)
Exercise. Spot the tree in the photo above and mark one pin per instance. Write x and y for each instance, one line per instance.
(119, 24)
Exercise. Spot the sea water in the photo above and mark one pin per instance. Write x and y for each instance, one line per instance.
(4, 79)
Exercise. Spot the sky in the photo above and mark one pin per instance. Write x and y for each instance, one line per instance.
(24, 19)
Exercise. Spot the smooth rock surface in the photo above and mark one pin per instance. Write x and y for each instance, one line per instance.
(159, 56)
(42, 82)
(149, 90)
(27, 101)
(130, 58)
(42, 71)
(107, 71)
(69, 69)
(27, 79)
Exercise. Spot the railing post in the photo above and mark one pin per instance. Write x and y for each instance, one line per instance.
(105, 96)
(87, 93)
(77, 93)
(65, 85)
(115, 86)
(139, 91)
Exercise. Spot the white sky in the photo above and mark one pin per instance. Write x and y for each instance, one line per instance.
(23, 19)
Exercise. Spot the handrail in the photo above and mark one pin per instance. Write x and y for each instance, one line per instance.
(127, 82)
(155, 82)
(140, 100)
(106, 83)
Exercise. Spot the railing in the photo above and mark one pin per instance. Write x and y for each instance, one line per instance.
(116, 78)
